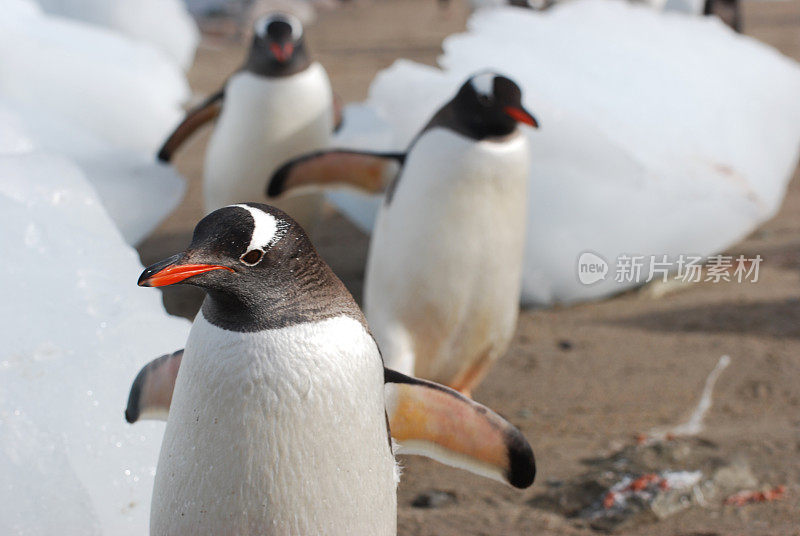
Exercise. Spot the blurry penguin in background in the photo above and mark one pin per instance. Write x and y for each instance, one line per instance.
(727, 10)
(277, 106)
(443, 276)
(530, 4)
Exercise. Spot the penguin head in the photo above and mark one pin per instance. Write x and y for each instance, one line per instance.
(489, 104)
(258, 269)
(278, 45)
(237, 251)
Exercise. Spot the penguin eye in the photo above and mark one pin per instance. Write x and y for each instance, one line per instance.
(252, 257)
(485, 100)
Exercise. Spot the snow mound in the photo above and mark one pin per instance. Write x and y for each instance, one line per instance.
(81, 330)
(97, 98)
(670, 135)
(166, 24)
(123, 92)
(136, 190)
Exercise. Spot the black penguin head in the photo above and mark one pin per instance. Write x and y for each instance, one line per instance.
(236, 250)
(278, 46)
(259, 271)
(489, 104)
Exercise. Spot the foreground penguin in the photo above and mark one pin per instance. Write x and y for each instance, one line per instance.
(278, 418)
(445, 262)
(277, 106)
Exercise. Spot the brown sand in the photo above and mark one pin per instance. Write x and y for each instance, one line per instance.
(634, 363)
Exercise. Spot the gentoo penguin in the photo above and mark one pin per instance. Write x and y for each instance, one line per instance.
(729, 11)
(277, 106)
(279, 405)
(483, 4)
(445, 261)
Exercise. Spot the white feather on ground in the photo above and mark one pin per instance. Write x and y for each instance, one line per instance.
(694, 424)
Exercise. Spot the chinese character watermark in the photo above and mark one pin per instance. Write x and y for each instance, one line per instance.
(690, 269)
(639, 269)
(629, 269)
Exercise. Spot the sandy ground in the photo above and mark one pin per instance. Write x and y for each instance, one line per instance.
(584, 380)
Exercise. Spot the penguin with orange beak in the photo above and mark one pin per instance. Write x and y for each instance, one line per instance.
(444, 270)
(279, 409)
(277, 106)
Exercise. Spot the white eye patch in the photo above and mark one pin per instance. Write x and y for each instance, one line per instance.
(297, 28)
(263, 23)
(260, 27)
(483, 84)
(266, 228)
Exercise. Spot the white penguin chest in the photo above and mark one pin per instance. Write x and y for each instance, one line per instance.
(458, 210)
(264, 122)
(446, 255)
(277, 432)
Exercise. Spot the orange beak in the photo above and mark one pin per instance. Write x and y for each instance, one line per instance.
(169, 272)
(520, 115)
(282, 52)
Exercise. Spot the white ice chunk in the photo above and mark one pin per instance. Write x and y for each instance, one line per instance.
(137, 191)
(81, 330)
(91, 95)
(164, 23)
(36, 476)
(670, 135)
(124, 92)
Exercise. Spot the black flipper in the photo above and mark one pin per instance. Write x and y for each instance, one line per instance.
(367, 171)
(195, 118)
(151, 392)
